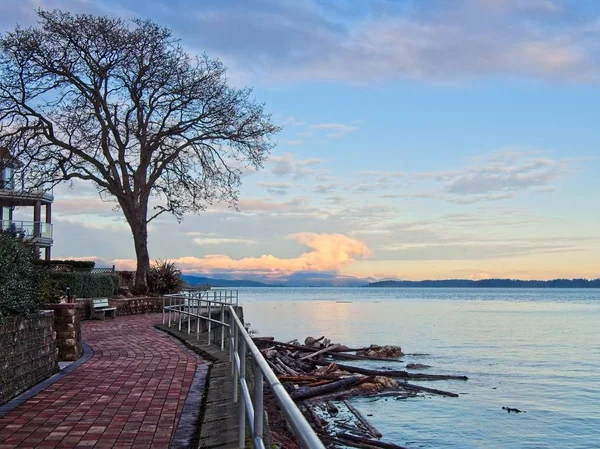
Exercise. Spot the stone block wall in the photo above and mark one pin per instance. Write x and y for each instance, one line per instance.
(27, 353)
(67, 323)
(84, 311)
(137, 306)
(125, 306)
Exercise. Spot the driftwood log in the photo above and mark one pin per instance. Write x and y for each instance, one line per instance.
(428, 390)
(309, 392)
(335, 353)
(375, 443)
(315, 382)
(392, 373)
(366, 424)
(322, 351)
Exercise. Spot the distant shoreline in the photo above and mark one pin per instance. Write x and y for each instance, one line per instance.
(490, 283)
(193, 280)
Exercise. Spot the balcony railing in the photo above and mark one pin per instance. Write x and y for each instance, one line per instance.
(29, 229)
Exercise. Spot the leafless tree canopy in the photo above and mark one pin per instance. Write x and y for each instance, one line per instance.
(125, 107)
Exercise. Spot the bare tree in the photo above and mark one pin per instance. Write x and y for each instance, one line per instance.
(125, 107)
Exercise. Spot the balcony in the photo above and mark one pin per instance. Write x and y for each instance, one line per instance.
(36, 232)
(10, 197)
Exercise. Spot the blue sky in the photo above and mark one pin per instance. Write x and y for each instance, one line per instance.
(422, 139)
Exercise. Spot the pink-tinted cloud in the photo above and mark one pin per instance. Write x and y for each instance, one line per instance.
(328, 252)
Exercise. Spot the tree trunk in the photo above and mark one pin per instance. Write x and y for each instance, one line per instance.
(136, 215)
(140, 240)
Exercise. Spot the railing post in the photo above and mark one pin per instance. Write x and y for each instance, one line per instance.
(222, 327)
(209, 322)
(179, 311)
(189, 315)
(231, 341)
(197, 319)
(258, 402)
(170, 308)
(234, 364)
(163, 311)
(242, 353)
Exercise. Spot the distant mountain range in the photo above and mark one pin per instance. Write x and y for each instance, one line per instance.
(492, 283)
(333, 280)
(199, 280)
(300, 279)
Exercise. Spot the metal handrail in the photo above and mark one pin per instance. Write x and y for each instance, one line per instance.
(218, 294)
(183, 305)
(254, 409)
(251, 407)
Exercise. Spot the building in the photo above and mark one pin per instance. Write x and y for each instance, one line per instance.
(38, 231)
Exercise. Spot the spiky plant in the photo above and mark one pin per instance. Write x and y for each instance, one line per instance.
(164, 278)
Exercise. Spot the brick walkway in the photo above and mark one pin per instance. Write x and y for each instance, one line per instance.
(128, 395)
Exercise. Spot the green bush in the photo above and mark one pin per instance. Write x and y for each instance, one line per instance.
(164, 278)
(85, 285)
(21, 279)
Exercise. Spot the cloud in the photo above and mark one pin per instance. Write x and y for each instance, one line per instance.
(288, 165)
(498, 176)
(254, 205)
(328, 253)
(276, 188)
(203, 241)
(380, 41)
(501, 175)
(293, 121)
(325, 189)
(480, 275)
(285, 42)
(292, 142)
(94, 222)
(336, 130)
(79, 205)
(448, 246)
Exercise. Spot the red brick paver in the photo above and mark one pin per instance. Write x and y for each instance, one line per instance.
(128, 395)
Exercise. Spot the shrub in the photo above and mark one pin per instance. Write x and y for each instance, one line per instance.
(21, 278)
(164, 278)
(85, 285)
(126, 279)
(71, 265)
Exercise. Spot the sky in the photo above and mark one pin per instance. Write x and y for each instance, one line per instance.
(428, 139)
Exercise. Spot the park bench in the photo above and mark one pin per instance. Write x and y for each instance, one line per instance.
(100, 308)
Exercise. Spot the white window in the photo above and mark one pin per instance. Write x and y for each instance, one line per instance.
(6, 178)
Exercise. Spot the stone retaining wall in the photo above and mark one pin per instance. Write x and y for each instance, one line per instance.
(27, 353)
(137, 306)
(125, 306)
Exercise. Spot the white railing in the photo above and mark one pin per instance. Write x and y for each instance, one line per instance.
(30, 229)
(183, 307)
(215, 295)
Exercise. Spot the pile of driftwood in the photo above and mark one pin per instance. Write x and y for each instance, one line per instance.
(318, 377)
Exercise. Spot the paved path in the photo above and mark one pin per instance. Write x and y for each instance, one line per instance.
(128, 395)
(219, 427)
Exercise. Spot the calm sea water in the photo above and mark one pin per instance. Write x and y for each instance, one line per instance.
(535, 350)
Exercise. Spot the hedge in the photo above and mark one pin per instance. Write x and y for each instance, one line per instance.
(86, 285)
(79, 265)
(20, 278)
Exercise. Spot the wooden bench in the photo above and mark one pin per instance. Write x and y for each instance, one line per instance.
(100, 308)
